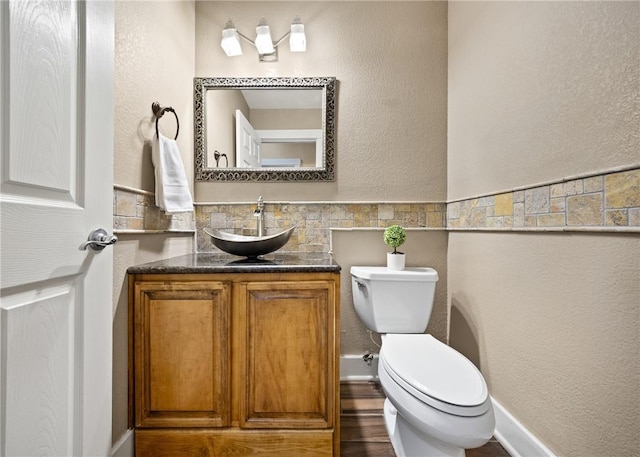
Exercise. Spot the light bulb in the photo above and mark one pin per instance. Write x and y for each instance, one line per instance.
(297, 39)
(264, 43)
(230, 43)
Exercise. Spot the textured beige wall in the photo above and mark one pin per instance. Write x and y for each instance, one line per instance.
(154, 61)
(221, 124)
(539, 91)
(366, 247)
(549, 88)
(276, 119)
(306, 152)
(552, 321)
(391, 108)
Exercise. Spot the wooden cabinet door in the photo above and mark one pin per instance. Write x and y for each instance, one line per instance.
(181, 353)
(287, 354)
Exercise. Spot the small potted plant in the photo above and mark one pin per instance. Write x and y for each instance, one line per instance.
(395, 237)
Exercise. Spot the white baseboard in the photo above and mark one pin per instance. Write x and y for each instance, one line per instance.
(124, 447)
(514, 437)
(353, 368)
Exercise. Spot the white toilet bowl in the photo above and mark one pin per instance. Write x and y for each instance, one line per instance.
(437, 401)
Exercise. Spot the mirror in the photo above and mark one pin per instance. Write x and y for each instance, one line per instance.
(264, 129)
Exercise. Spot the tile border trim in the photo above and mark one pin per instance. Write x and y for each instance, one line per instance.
(315, 221)
(133, 190)
(322, 202)
(135, 213)
(605, 202)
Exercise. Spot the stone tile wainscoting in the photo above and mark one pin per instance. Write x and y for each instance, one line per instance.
(607, 201)
(597, 202)
(134, 211)
(314, 220)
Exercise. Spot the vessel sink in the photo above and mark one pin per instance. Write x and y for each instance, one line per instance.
(249, 246)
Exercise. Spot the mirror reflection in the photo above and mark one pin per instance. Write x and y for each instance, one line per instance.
(264, 129)
(257, 128)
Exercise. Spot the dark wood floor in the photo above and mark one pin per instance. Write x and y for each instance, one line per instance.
(362, 431)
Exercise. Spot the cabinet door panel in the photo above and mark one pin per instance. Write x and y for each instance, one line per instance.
(182, 353)
(289, 351)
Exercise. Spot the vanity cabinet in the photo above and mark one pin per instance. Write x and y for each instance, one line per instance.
(234, 364)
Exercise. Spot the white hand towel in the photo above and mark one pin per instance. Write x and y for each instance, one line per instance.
(172, 187)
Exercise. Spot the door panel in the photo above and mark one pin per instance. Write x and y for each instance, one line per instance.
(40, 327)
(46, 86)
(56, 135)
(41, 152)
(248, 143)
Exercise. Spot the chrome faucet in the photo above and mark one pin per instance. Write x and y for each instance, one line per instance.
(259, 215)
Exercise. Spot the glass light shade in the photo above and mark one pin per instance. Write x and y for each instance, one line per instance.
(264, 43)
(231, 43)
(297, 39)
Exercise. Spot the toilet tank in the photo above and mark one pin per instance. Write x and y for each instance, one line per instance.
(389, 301)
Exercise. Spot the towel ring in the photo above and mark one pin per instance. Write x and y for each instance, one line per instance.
(217, 155)
(159, 111)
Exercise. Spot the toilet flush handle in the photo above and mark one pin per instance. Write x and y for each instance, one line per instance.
(360, 284)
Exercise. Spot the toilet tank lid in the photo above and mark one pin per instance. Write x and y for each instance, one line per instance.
(408, 274)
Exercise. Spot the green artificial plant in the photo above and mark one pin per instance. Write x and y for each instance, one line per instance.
(395, 236)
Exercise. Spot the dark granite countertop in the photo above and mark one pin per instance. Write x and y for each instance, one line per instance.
(227, 263)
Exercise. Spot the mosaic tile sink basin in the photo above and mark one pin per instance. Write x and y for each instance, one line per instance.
(248, 246)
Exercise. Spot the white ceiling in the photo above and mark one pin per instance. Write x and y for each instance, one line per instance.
(265, 98)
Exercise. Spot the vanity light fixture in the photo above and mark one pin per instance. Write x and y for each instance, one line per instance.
(297, 38)
(264, 44)
(230, 41)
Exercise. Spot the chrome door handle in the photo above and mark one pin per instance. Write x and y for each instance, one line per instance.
(98, 240)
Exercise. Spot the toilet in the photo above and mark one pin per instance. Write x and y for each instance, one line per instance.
(437, 401)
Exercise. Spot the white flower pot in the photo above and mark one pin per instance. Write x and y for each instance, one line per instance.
(395, 261)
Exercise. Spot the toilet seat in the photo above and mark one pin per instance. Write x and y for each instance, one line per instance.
(435, 373)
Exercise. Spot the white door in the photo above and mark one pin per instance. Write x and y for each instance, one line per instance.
(248, 143)
(56, 135)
